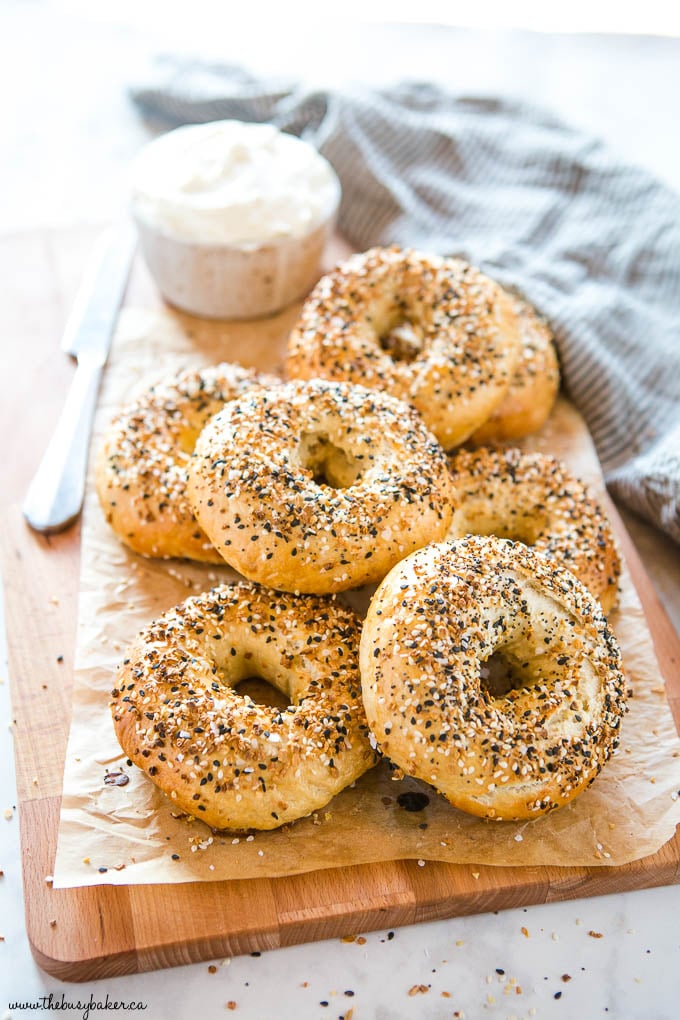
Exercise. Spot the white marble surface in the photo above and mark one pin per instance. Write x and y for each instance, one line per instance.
(68, 136)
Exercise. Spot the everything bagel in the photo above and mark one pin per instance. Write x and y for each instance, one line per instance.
(220, 756)
(433, 331)
(533, 387)
(535, 499)
(141, 468)
(318, 486)
(491, 674)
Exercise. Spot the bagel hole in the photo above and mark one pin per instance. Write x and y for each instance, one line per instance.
(186, 440)
(518, 529)
(262, 692)
(502, 673)
(401, 338)
(329, 464)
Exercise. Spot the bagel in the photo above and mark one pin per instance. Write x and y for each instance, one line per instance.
(533, 388)
(449, 633)
(318, 486)
(220, 756)
(433, 331)
(535, 499)
(141, 467)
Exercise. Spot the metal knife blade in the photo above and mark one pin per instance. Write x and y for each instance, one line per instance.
(100, 294)
(55, 495)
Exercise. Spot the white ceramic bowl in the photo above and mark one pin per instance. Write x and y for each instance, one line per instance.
(233, 218)
(223, 282)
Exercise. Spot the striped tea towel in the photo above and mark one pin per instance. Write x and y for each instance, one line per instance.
(592, 242)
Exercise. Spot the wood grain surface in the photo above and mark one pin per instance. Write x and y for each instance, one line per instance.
(84, 933)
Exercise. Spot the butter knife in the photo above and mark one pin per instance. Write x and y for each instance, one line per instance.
(55, 496)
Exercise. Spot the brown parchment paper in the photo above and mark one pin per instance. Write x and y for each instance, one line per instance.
(630, 811)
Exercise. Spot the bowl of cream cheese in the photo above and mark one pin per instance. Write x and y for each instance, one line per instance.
(233, 217)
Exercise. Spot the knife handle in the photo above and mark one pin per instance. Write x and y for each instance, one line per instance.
(55, 495)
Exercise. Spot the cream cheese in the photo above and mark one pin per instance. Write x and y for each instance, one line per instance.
(232, 183)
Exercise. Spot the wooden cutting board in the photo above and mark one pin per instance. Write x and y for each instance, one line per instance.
(85, 933)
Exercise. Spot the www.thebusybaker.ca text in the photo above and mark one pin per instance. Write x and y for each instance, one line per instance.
(85, 1008)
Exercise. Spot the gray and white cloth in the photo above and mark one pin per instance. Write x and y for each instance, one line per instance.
(592, 242)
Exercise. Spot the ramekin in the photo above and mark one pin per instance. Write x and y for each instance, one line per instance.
(220, 281)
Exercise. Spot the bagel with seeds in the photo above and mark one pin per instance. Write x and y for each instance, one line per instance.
(318, 486)
(491, 674)
(535, 499)
(433, 331)
(533, 388)
(141, 467)
(220, 756)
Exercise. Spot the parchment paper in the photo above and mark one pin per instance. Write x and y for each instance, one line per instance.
(129, 834)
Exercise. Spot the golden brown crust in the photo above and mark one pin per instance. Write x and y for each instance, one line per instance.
(535, 499)
(229, 761)
(433, 331)
(141, 468)
(319, 486)
(534, 384)
(432, 630)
